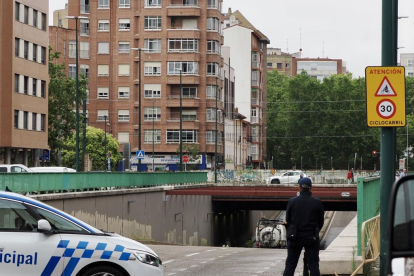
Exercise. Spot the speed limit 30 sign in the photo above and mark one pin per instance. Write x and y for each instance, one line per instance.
(385, 92)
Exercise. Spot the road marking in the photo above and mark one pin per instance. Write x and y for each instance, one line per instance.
(194, 266)
(266, 268)
(203, 262)
(220, 256)
(171, 273)
(189, 255)
(211, 250)
(183, 269)
(167, 262)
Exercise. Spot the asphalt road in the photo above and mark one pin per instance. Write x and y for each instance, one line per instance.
(223, 261)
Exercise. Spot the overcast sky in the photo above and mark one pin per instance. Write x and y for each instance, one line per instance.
(348, 30)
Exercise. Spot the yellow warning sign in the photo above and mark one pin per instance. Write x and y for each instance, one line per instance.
(385, 92)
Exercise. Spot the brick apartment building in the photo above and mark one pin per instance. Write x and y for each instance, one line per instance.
(173, 35)
(23, 80)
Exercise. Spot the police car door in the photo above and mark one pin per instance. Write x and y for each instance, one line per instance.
(23, 250)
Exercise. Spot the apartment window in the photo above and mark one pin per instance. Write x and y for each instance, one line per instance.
(211, 91)
(103, 4)
(34, 121)
(211, 137)
(212, 24)
(123, 115)
(25, 119)
(152, 137)
(255, 100)
(84, 6)
(212, 69)
(103, 25)
(123, 69)
(26, 49)
(153, 3)
(103, 70)
(123, 92)
(43, 89)
(287, 65)
(84, 50)
(152, 22)
(103, 47)
(152, 45)
(152, 68)
(26, 14)
(212, 4)
(124, 3)
(188, 136)
(173, 136)
(189, 92)
(87, 96)
(35, 52)
(72, 71)
(26, 84)
(16, 118)
(84, 27)
(183, 45)
(123, 137)
(255, 78)
(43, 55)
(102, 114)
(72, 49)
(42, 122)
(189, 115)
(123, 47)
(35, 18)
(213, 46)
(152, 114)
(152, 90)
(269, 65)
(279, 65)
(64, 48)
(255, 60)
(410, 74)
(17, 11)
(34, 87)
(211, 114)
(43, 21)
(190, 3)
(16, 82)
(124, 25)
(103, 93)
(186, 67)
(16, 46)
(84, 69)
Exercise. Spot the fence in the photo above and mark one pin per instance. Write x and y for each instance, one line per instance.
(45, 182)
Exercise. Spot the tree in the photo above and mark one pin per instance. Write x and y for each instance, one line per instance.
(62, 93)
(95, 146)
(193, 153)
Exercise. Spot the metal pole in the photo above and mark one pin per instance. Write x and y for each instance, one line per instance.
(153, 107)
(408, 154)
(387, 163)
(105, 138)
(139, 108)
(77, 98)
(215, 154)
(181, 124)
(84, 135)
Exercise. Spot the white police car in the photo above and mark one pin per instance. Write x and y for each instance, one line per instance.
(39, 240)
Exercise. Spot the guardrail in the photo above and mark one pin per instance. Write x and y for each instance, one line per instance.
(51, 182)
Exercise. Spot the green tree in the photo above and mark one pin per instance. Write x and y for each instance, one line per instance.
(62, 93)
(192, 151)
(95, 147)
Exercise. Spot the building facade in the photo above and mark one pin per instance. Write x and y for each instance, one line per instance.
(23, 80)
(318, 68)
(59, 17)
(406, 60)
(279, 61)
(249, 59)
(180, 46)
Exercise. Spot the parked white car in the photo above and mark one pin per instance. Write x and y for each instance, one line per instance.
(14, 168)
(52, 169)
(289, 177)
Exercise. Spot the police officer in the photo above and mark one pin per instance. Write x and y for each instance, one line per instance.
(304, 219)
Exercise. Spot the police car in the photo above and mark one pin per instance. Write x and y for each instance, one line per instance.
(37, 239)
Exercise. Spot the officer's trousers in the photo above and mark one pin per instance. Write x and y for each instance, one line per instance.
(295, 247)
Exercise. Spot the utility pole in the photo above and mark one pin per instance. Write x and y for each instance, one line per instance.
(215, 155)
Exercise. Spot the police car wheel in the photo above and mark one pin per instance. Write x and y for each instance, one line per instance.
(102, 271)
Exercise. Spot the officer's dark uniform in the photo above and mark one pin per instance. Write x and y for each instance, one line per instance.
(307, 214)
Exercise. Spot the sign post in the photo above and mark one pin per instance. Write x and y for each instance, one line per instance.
(185, 160)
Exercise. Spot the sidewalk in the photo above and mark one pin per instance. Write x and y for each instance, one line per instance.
(341, 255)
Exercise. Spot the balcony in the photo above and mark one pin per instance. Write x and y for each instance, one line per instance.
(185, 79)
(174, 101)
(187, 123)
(187, 10)
(255, 65)
(180, 32)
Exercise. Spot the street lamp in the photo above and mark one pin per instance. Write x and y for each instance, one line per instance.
(181, 123)
(215, 154)
(105, 117)
(153, 134)
(85, 120)
(77, 89)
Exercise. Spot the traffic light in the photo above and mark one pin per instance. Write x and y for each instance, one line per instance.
(374, 153)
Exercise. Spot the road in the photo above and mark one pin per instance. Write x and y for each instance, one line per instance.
(223, 261)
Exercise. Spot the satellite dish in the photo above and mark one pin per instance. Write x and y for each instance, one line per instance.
(232, 18)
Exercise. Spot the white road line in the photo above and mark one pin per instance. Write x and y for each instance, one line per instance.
(266, 268)
(189, 255)
(167, 262)
(194, 266)
(183, 269)
(211, 250)
(170, 273)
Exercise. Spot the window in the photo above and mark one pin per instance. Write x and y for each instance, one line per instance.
(35, 52)
(16, 47)
(287, 65)
(255, 131)
(152, 68)
(189, 115)
(103, 70)
(188, 136)
(211, 91)
(43, 55)
(34, 87)
(123, 115)
(34, 121)
(43, 21)
(212, 69)
(190, 3)
(123, 47)
(152, 114)
(269, 65)
(189, 92)
(84, 27)
(25, 119)
(17, 11)
(123, 92)
(102, 114)
(84, 69)
(84, 50)
(43, 89)
(84, 6)
(42, 122)
(153, 3)
(123, 137)
(87, 96)
(279, 65)
(16, 82)
(255, 78)
(152, 136)
(254, 97)
(26, 49)
(72, 49)
(152, 45)
(103, 47)
(183, 45)
(123, 69)
(212, 4)
(255, 60)
(124, 3)
(103, 4)
(173, 136)
(103, 25)
(103, 93)
(35, 18)
(26, 14)
(152, 22)
(212, 24)
(211, 114)
(152, 90)
(213, 46)
(211, 137)
(189, 24)
(124, 24)
(186, 67)
(26, 85)
(16, 118)
(72, 71)
(410, 74)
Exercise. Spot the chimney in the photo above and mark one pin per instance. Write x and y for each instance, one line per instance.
(66, 6)
(229, 12)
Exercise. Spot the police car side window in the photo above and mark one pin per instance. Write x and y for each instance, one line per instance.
(15, 217)
(57, 222)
